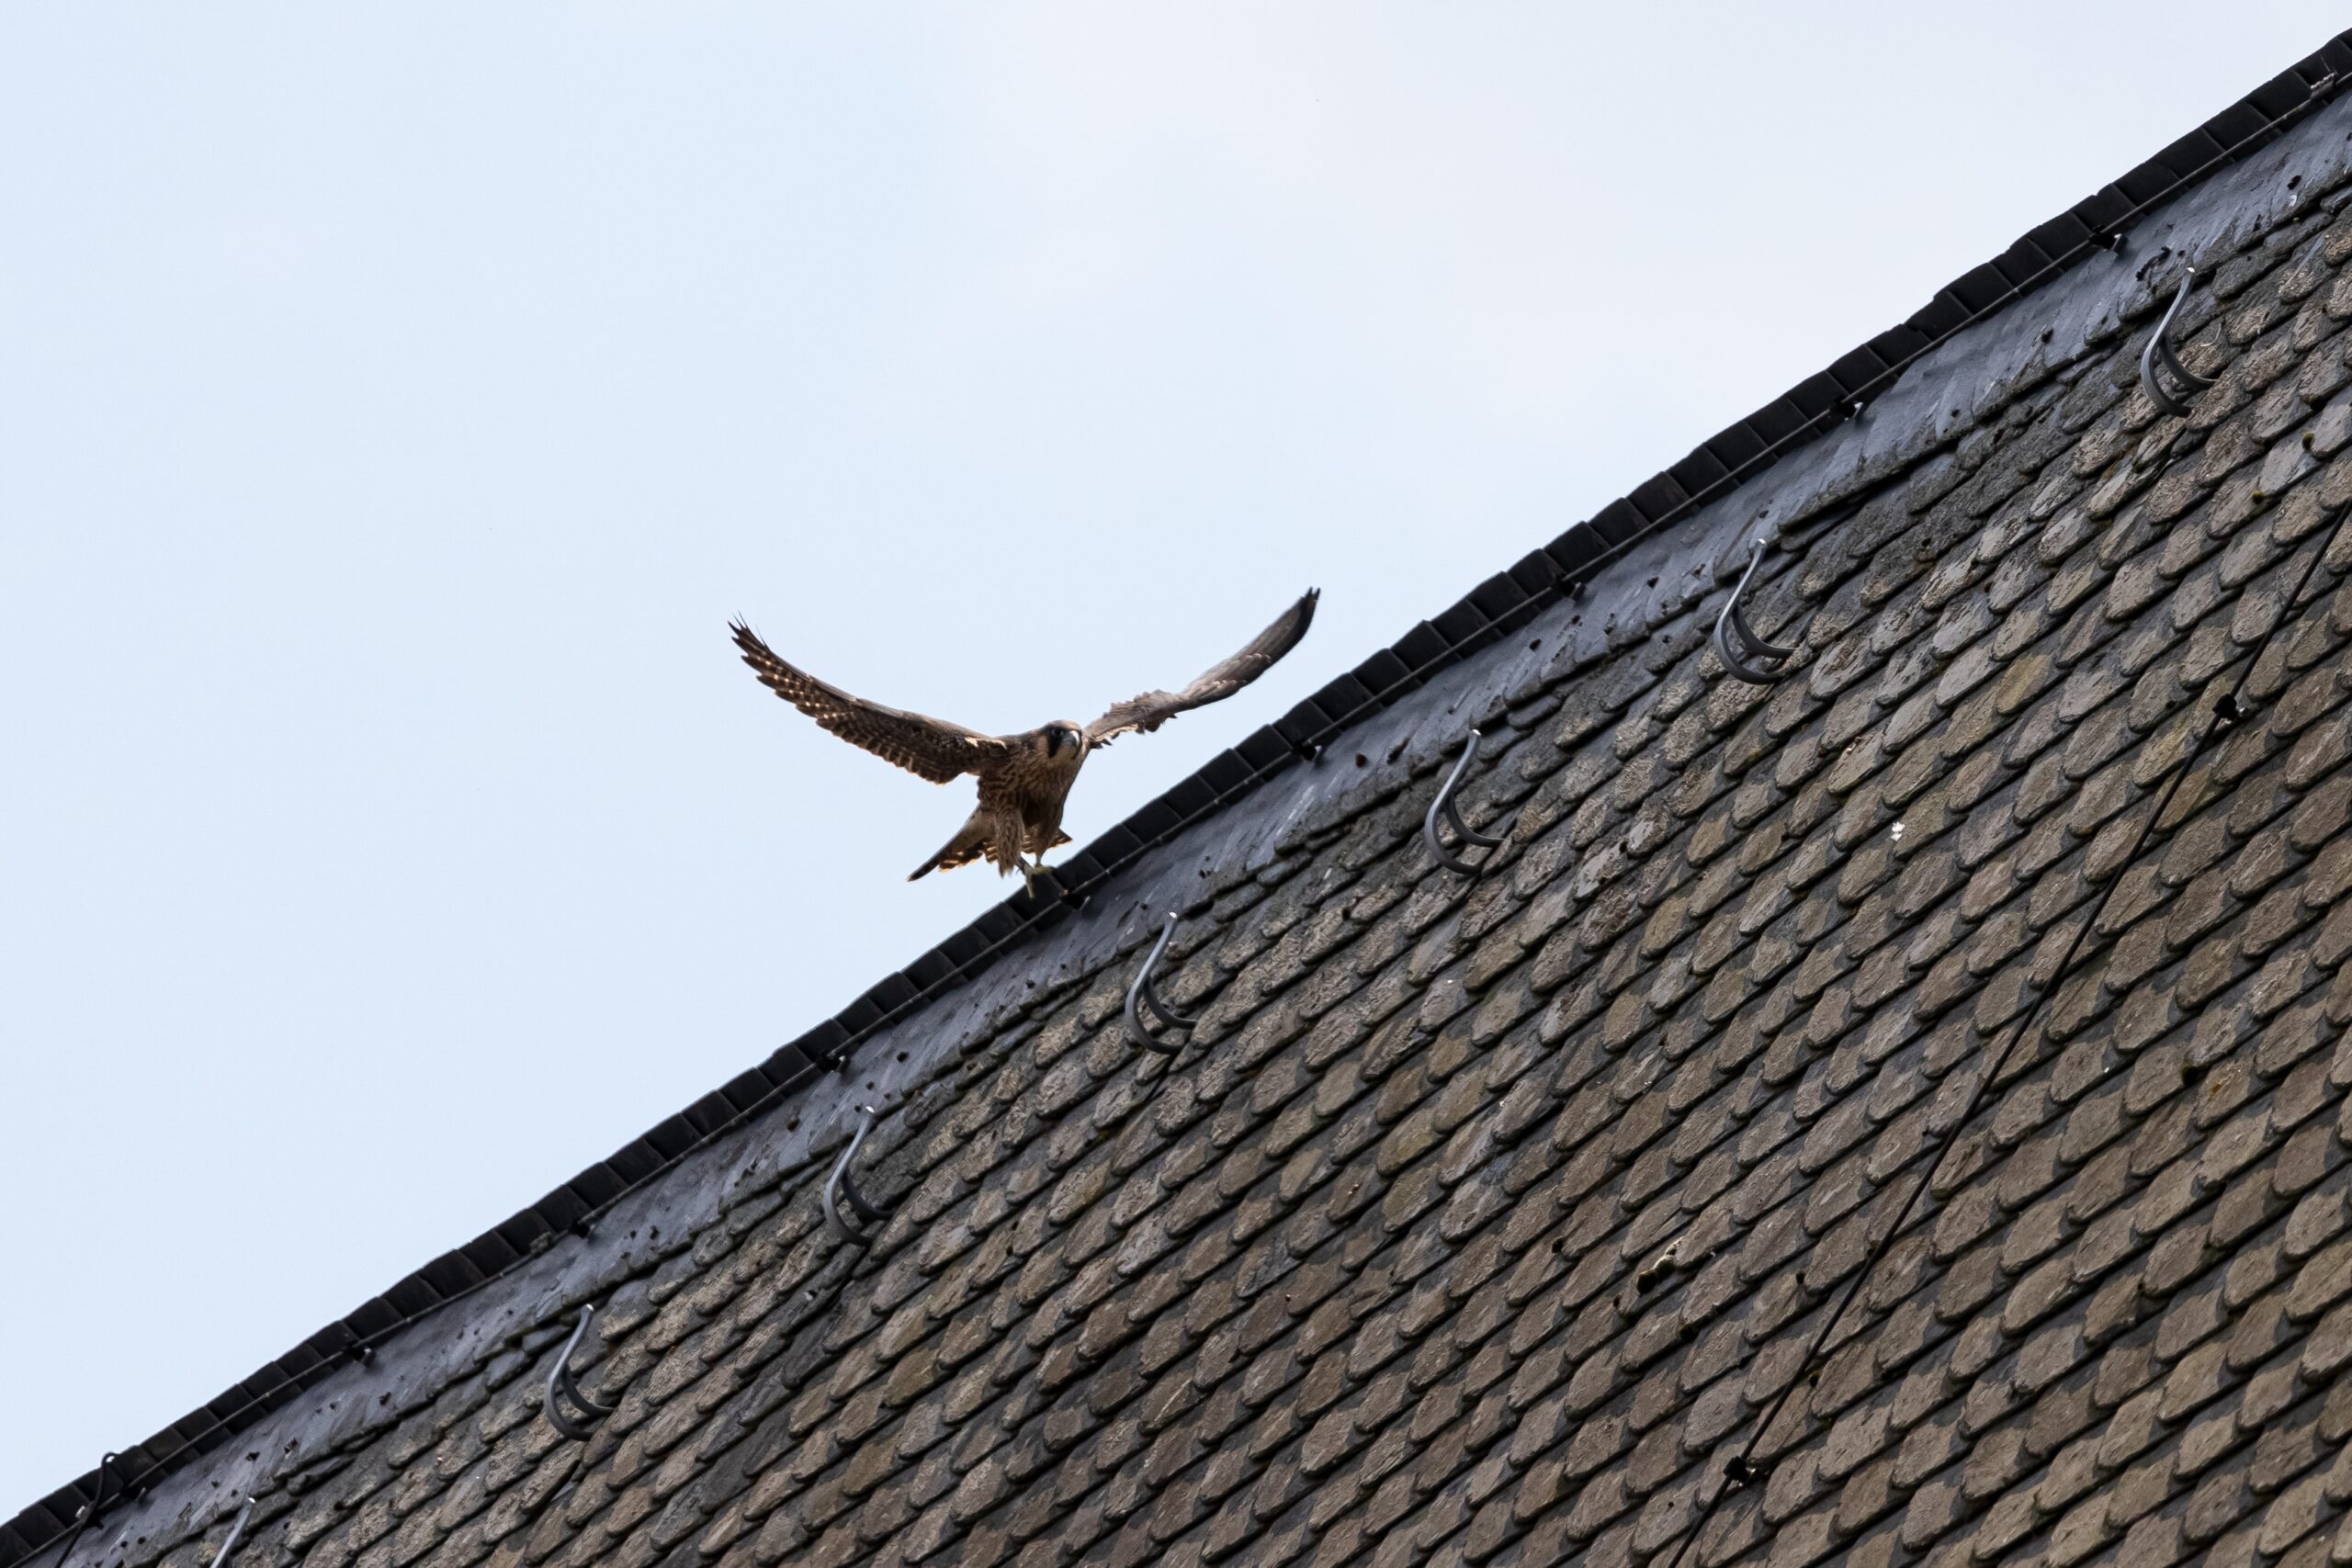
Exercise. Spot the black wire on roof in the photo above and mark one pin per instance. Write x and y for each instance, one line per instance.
(1489, 612)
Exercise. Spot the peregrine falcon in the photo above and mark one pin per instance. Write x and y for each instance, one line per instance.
(1024, 778)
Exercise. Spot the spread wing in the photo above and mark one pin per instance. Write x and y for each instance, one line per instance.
(930, 747)
(1152, 709)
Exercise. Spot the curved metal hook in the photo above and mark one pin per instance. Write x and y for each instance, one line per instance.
(1745, 655)
(2159, 353)
(88, 1513)
(838, 1186)
(220, 1558)
(1446, 809)
(560, 1381)
(1145, 993)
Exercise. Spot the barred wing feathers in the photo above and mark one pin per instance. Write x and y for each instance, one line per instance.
(928, 748)
(1152, 709)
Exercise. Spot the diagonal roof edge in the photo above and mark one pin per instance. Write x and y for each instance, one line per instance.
(1812, 408)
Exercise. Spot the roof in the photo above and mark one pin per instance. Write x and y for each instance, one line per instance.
(1379, 1266)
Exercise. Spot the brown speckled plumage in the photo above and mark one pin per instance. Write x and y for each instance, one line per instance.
(1024, 779)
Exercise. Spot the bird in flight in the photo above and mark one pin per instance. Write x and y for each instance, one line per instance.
(1024, 779)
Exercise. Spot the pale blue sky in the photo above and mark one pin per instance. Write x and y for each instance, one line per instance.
(395, 403)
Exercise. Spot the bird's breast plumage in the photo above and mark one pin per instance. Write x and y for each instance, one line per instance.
(1036, 775)
(1033, 779)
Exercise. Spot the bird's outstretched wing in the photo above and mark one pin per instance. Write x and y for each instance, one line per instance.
(1152, 709)
(930, 747)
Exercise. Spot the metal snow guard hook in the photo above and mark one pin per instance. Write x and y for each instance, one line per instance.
(87, 1514)
(2159, 354)
(1745, 655)
(838, 1187)
(220, 1558)
(1447, 809)
(561, 1381)
(1145, 993)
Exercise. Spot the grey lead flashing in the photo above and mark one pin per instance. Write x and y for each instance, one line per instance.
(2265, 159)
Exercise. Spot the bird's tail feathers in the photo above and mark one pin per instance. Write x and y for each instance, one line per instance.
(972, 842)
(968, 844)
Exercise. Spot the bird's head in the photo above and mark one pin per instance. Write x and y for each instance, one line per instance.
(1063, 736)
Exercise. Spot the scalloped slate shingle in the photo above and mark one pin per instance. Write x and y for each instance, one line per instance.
(1482, 1219)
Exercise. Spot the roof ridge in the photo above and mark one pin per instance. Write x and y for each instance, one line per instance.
(1489, 612)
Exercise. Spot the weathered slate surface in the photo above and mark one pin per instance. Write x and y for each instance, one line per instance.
(1482, 1219)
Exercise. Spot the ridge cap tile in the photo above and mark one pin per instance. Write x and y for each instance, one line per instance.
(1484, 1219)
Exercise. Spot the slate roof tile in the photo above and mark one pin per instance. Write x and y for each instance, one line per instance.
(1369, 1277)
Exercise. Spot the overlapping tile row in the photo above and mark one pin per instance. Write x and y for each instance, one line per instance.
(1491, 611)
(1483, 1217)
